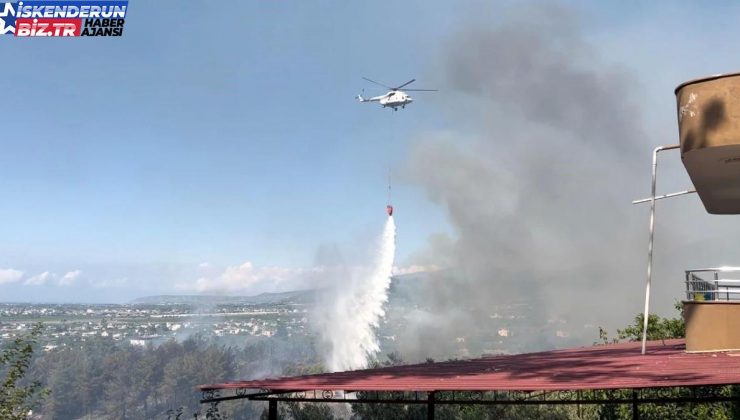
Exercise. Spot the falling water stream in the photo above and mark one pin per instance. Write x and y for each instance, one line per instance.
(352, 314)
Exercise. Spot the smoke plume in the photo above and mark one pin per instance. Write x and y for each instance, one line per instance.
(536, 184)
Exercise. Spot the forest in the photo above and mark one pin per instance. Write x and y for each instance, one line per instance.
(101, 380)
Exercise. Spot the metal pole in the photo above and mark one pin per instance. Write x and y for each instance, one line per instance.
(272, 410)
(650, 243)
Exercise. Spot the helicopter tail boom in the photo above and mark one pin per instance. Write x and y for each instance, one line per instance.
(373, 99)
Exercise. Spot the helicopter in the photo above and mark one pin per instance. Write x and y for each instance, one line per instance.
(395, 97)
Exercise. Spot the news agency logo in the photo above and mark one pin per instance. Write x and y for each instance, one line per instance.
(63, 18)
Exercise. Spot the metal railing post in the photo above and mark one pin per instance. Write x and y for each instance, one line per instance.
(688, 287)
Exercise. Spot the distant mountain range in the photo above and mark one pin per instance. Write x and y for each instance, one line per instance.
(404, 288)
(296, 296)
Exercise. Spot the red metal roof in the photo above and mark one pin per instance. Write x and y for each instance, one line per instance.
(597, 367)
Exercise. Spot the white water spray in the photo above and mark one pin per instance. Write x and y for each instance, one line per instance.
(351, 313)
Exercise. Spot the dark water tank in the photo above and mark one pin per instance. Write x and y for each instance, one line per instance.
(709, 129)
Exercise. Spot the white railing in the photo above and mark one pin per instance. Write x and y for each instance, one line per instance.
(712, 284)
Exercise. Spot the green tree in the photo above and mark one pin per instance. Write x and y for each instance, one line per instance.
(200, 363)
(119, 397)
(64, 400)
(309, 411)
(17, 398)
(658, 328)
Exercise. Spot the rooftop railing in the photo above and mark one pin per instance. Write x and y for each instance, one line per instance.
(713, 284)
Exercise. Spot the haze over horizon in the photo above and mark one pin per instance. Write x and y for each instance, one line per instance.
(235, 160)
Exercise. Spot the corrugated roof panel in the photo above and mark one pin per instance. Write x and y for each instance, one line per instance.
(597, 367)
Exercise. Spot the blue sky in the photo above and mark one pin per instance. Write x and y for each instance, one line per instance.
(222, 133)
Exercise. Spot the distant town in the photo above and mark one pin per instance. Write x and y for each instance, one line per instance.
(142, 324)
(238, 321)
(148, 356)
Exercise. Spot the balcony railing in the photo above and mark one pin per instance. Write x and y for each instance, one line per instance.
(713, 284)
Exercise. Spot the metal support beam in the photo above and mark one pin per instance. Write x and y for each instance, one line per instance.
(661, 197)
(653, 398)
(272, 410)
(635, 406)
(430, 406)
(650, 243)
(699, 395)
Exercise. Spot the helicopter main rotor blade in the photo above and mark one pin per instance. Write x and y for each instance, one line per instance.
(407, 83)
(378, 83)
(420, 90)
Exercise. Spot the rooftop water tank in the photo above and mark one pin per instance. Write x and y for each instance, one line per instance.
(709, 129)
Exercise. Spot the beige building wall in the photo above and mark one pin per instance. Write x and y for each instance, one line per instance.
(709, 128)
(712, 325)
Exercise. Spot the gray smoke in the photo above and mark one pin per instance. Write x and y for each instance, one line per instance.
(537, 185)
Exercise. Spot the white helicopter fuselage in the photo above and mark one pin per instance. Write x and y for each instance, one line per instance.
(393, 99)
